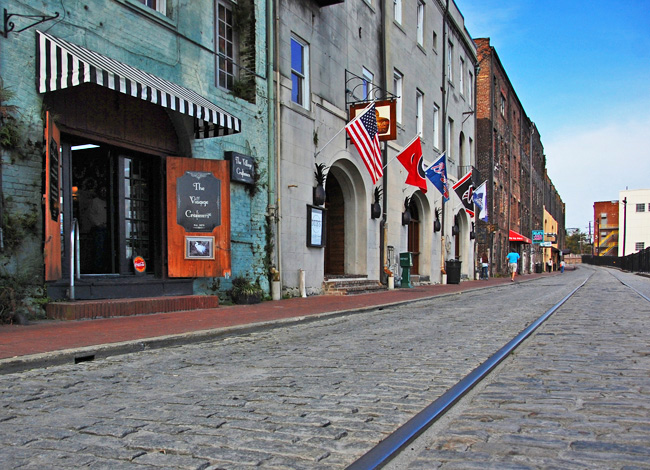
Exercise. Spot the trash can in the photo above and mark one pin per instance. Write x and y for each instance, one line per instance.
(405, 262)
(453, 271)
(539, 268)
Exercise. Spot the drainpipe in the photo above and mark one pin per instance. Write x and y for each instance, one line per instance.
(443, 88)
(274, 144)
(383, 225)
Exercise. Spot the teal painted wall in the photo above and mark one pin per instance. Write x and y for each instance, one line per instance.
(177, 48)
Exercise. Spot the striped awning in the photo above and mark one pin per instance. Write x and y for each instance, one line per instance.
(61, 64)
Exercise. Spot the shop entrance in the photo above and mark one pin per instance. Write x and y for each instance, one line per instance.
(335, 245)
(115, 199)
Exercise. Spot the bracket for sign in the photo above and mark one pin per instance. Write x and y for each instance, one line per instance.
(10, 25)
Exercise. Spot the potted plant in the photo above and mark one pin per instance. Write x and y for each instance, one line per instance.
(406, 215)
(375, 207)
(276, 288)
(245, 292)
(319, 190)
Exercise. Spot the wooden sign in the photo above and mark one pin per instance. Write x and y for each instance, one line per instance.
(198, 252)
(385, 112)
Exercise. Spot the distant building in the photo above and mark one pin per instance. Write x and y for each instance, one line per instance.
(606, 228)
(510, 156)
(634, 221)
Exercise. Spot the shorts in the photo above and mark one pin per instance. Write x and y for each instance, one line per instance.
(513, 267)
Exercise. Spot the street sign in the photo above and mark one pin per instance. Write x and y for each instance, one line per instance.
(546, 244)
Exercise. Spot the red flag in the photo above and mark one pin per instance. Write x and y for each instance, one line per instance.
(465, 190)
(363, 133)
(412, 159)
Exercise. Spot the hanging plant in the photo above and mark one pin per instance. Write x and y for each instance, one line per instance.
(375, 207)
(319, 191)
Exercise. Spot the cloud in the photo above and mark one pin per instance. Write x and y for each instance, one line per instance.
(593, 164)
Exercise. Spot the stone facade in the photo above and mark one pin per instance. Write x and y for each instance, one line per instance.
(351, 46)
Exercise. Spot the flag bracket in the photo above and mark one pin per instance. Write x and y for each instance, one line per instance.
(10, 25)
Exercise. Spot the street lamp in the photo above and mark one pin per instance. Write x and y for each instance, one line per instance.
(624, 221)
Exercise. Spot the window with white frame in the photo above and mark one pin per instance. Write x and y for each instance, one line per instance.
(398, 83)
(450, 132)
(299, 72)
(461, 76)
(397, 11)
(638, 246)
(159, 5)
(419, 117)
(502, 106)
(436, 125)
(640, 207)
(420, 23)
(450, 68)
(368, 77)
(470, 89)
(227, 45)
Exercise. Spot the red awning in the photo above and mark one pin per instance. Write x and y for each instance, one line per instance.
(518, 237)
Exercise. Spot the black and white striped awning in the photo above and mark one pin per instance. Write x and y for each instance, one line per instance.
(61, 64)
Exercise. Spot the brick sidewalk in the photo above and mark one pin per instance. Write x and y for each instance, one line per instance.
(52, 342)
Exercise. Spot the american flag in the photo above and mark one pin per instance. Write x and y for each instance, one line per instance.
(363, 133)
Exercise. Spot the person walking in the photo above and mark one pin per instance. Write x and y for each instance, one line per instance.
(484, 266)
(512, 259)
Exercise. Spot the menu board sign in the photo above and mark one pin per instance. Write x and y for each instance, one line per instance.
(198, 201)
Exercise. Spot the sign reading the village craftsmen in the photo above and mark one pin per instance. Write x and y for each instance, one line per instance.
(198, 201)
(242, 167)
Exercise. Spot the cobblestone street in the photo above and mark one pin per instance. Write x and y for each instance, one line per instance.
(576, 395)
(319, 395)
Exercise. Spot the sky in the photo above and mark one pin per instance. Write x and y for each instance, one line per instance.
(581, 69)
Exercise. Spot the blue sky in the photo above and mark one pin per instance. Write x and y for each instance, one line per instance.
(581, 70)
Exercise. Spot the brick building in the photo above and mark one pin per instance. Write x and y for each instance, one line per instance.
(606, 228)
(510, 156)
(93, 206)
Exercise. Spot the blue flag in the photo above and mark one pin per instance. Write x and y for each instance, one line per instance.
(480, 201)
(437, 174)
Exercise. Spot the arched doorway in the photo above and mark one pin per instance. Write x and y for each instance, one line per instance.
(414, 237)
(335, 246)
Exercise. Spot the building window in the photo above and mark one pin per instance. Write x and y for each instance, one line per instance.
(640, 207)
(159, 5)
(461, 76)
(435, 41)
(227, 46)
(470, 89)
(419, 117)
(450, 55)
(299, 76)
(420, 23)
(367, 83)
(436, 126)
(638, 246)
(397, 11)
(398, 83)
(502, 106)
(450, 132)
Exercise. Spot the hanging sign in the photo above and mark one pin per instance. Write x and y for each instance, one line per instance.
(242, 167)
(538, 236)
(198, 201)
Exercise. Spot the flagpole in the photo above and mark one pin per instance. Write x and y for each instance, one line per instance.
(341, 130)
(397, 154)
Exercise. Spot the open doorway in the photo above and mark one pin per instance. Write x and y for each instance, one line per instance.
(116, 199)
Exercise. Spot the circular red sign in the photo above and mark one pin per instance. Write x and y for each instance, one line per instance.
(139, 264)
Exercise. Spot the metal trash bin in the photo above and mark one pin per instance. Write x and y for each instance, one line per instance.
(405, 262)
(539, 268)
(452, 267)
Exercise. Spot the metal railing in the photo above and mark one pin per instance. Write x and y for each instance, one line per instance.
(636, 262)
(75, 254)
